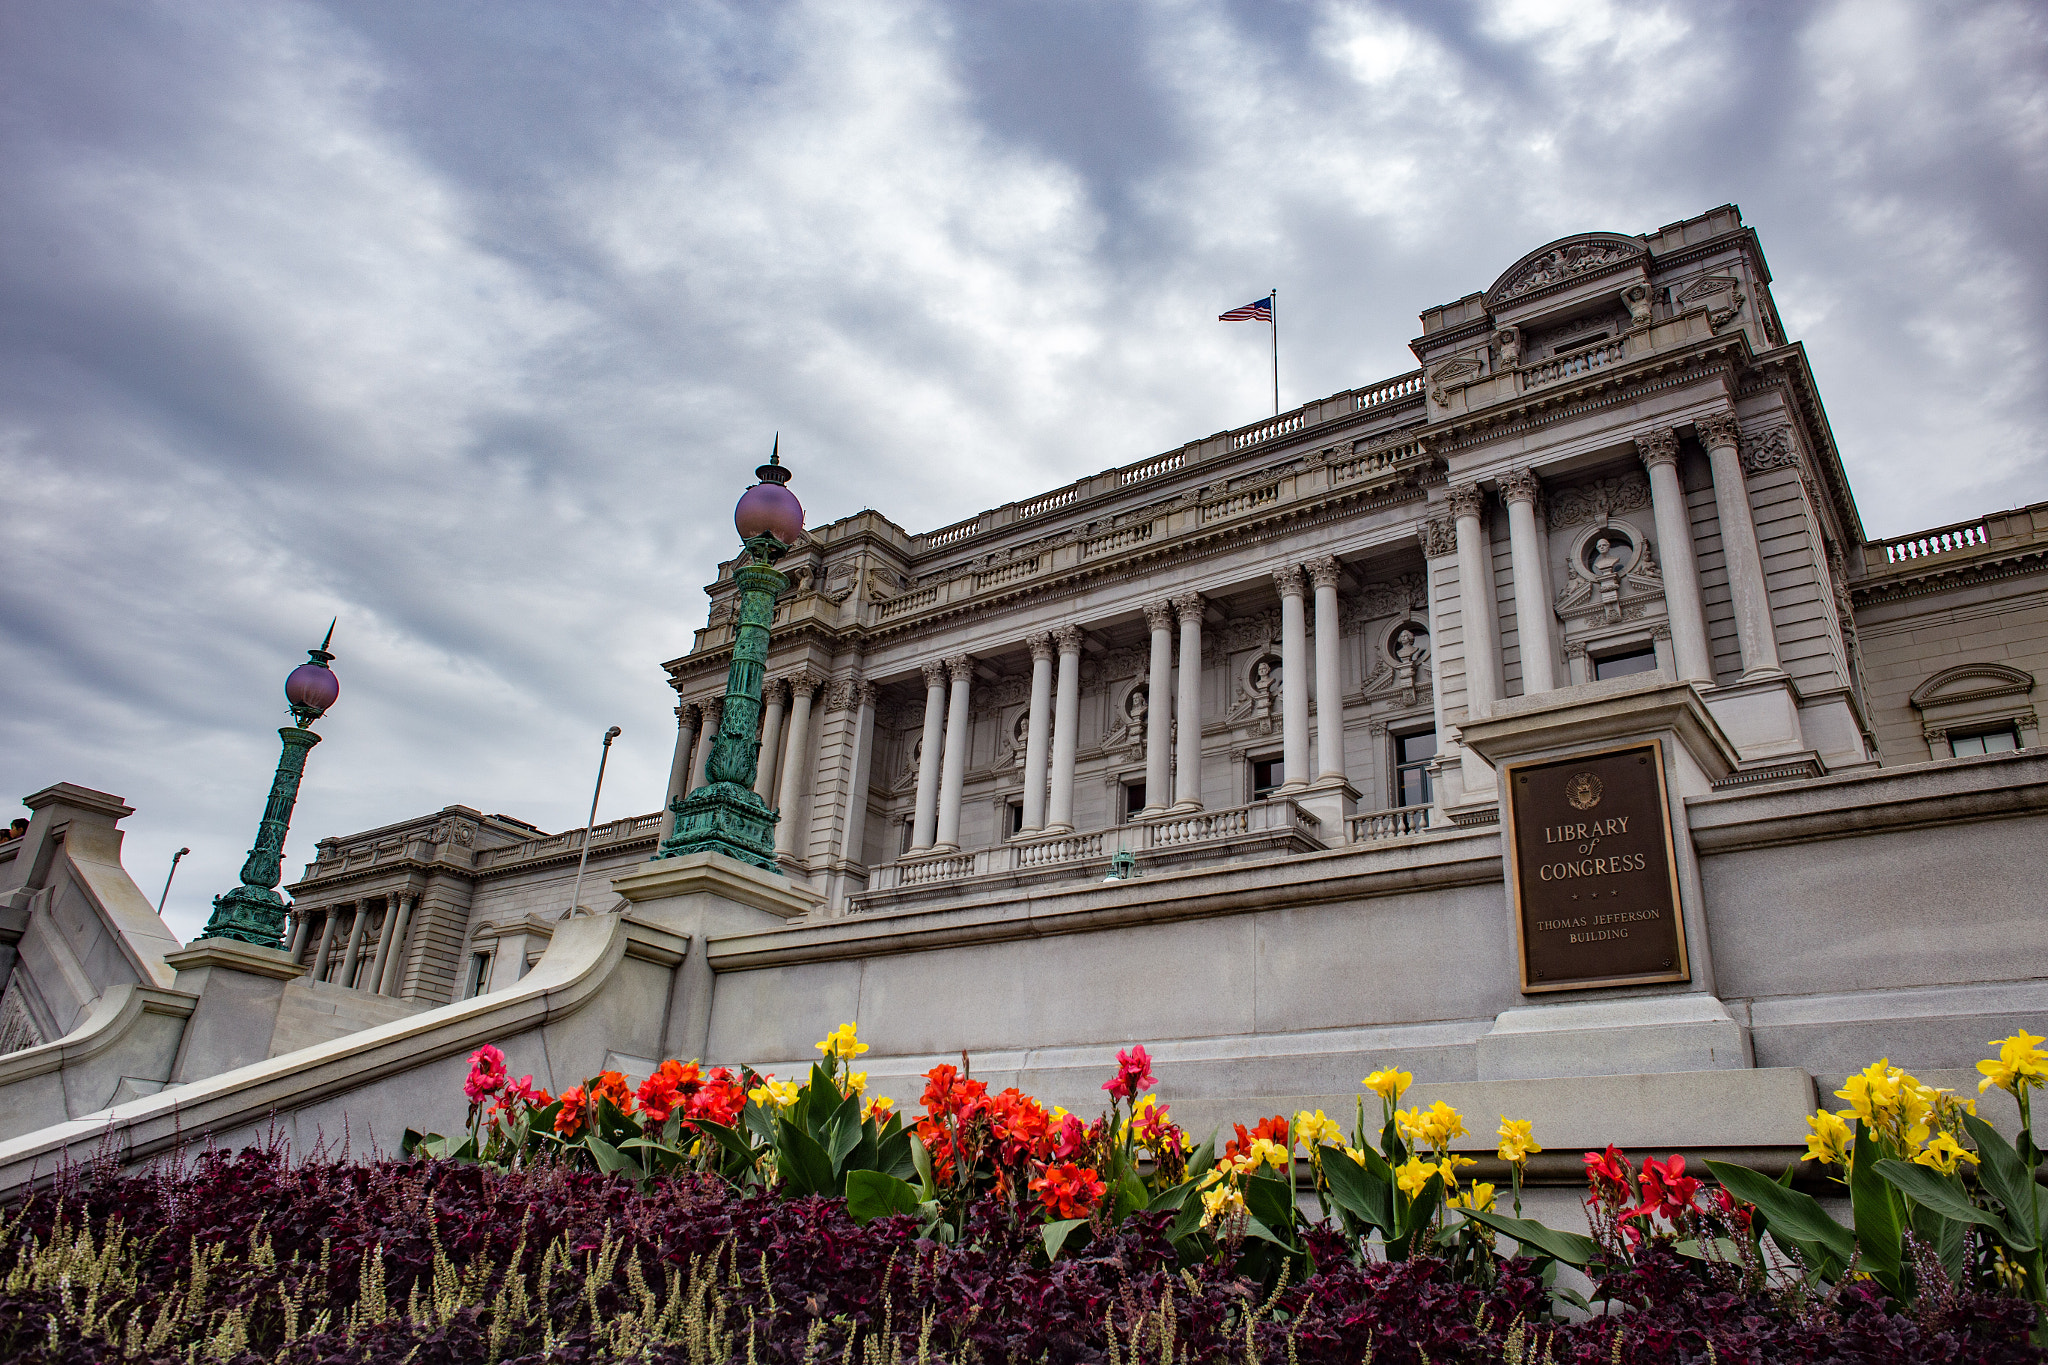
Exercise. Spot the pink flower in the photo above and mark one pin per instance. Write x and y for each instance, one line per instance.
(487, 1075)
(1133, 1074)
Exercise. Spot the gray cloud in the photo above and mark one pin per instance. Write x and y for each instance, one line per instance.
(466, 322)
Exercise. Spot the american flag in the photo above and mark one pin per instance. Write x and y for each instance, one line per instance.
(1260, 310)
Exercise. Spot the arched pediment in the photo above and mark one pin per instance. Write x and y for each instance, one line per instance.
(1972, 682)
(1561, 260)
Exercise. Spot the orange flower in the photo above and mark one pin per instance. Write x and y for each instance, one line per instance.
(1274, 1130)
(612, 1085)
(669, 1088)
(1069, 1191)
(569, 1119)
(719, 1098)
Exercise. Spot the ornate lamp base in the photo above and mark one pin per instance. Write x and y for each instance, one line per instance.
(724, 817)
(248, 914)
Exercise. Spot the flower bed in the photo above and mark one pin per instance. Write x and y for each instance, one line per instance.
(716, 1217)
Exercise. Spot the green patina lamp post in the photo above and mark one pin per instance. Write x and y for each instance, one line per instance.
(253, 912)
(724, 815)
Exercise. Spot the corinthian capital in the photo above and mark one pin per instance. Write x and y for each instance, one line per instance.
(1068, 638)
(1159, 615)
(1465, 499)
(1288, 581)
(1658, 447)
(1325, 572)
(774, 692)
(934, 674)
(1719, 429)
(1041, 646)
(1189, 605)
(687, 716)
(961, 666)
(804, 683)
(863, 693)
(1520, 485)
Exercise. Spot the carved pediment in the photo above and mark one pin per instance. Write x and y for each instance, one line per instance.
(1562, 260)
(1972, 682)
(1452, 374)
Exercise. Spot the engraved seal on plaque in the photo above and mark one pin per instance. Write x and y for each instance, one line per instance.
(1583, 791)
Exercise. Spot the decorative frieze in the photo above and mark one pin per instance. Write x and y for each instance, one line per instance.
(1773, 449)
(1439, 537)
(1599, 499)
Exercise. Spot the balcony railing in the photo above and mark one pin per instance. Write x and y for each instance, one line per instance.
(1370, 827)
(1267, 822)
(1576, 363)
(1965, 536)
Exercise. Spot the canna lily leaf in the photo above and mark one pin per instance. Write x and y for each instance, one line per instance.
(1271, 1203)
(1724, 1250)
(1056, 1234)
(734, 1142)
(1174, 1197)
(804, 1167)
(1794, 1216)
(1567, 1247)
(892, 1153)
(1360, 1191)
(1880, 1219)
(842, 1131)
(1202, 1159)
(2007, 1179)
(611, 1160)
(921, 1160)
(871, 1195)
(1935, 1192)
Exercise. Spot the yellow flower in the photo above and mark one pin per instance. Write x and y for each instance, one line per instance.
(1943, 1153)
(879, 1108)
(2019, 1065)
(774, 1094)
(1357, 1157)
(1215, 1174)
(1221, 1202)
(1515, 1142)
(1316, 1129)
(1413, 1126)
(1444, 1123)
(1480, 1197)
(1264, 1152)
(1830, 1141)
(1389, 1084)
(856, 1082)
(841, 1042)
(1413, 1174)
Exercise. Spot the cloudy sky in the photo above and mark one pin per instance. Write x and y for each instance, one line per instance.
(466, 322)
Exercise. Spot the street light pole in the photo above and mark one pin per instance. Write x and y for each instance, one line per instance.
(576, 896)
(167, 879)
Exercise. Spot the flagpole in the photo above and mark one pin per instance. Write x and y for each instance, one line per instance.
(1273, 316)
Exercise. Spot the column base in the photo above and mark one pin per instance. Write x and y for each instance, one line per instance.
(1184, 808)
(1332, 803)
(1057, 829)
(942, 848)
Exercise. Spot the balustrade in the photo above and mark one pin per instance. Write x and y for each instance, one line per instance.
(1937, 542)
(1372, 826)
(1576, 363)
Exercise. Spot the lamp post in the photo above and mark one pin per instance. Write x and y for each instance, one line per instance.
(576, 896)
(167, 879)
(253, 912)
(725, 815)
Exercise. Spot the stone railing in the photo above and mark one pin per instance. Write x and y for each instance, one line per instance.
(624, 830)
(1115, 540)
(1367, 463)
(1369, 827)
(947, 535)
(1284, 425)
(907, 602)
(1243, 500)
(1576, 363)
(1145, 469)
(1260, 822)
(1005, 573)
(1940, 541)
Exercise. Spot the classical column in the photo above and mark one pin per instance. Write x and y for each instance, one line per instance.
(1439, 542)
(1329, 678)
(925, 830)
(384, 928)
(773, 692)
(953, 774)
(1293, 680)
(1066, 724)
(394, 967)
(1159, 711)
(300, 923)
(1475, 604)
(1532, 597)
(1753, 630)
(1038, 733)
(357, 923)
(1188, 706)
(686, 746)
(1682, 601)
(796, 763)
(327, 926)
(861, 766)
(713, 710)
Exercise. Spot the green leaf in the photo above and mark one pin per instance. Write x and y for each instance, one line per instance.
(610, 1159)
(1270, 1203)
(921, 1161)
(1935, 1193)
(731, 1140)
(1880, 1220)
(415, 1143)
(871, 1195)
(804, 1166)
(1724, 1250)
(892, 1153)
(1130, 1195)
(1056, 1234)
(1359, 1191)
(2007, 1179)
(842, 1131)
(1187, 1224)
(1415, 1218)
(1794, 1216)
(1203, 1158)
(1173, 1197)
(1568, 1247)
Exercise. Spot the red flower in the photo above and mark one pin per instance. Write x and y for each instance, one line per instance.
(487, 1074)
(1071, 1139)
(719, 1098)
(1133, 1074)
(1609, 1174)
(1273, 1129)
(1069, 1191)
(1732, 1211)
(1667, 1190)
(668, 1089)
(570, 1117)
(1021, 1127)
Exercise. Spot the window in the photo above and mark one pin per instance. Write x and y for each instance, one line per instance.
(2001, 741)
(1641, 659)
(1013, 819)
(909, 828)
(1134, 799)
(479, 973)
(1267, 775)
(1412, 754)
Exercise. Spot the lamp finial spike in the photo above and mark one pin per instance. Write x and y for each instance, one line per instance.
(330, 635)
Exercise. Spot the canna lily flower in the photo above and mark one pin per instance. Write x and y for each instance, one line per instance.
(856, 1082)
(1133, 1074)
(774, 1094)
(1069, 1191)
(1479, 1196)
(1317, 1129)
(842, 1043)
(2019, 1065)
(1222, 1202)
(879, 1108)
(1667, 1190)
(569, 1119)
(1516, 1145)
(1389, 1084)
(1943, 1154)
(487, 1074)
(1413, 1175)
(1831, 1140)
(611, 1085)
(1357, 1157)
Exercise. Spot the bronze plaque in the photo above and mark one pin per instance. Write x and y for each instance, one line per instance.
(1595, 881)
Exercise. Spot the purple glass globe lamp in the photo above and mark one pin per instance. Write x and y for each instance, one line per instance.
(769, 508)
(312, 686)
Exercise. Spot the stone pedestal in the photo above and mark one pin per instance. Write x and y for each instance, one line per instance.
(1614, 1029)
(1332, 802)
(704, 896)
(1760, 717)
(240, 987)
